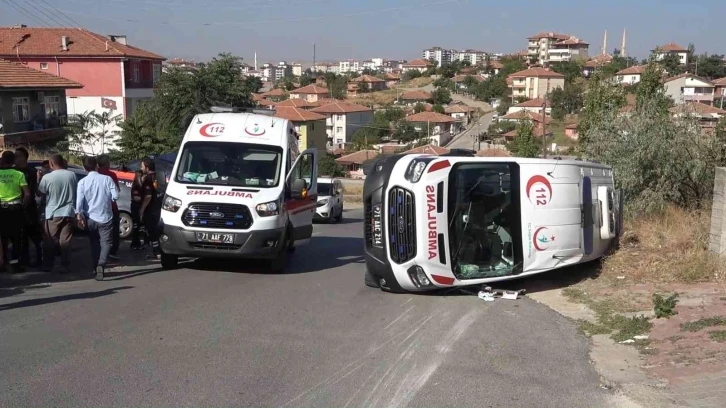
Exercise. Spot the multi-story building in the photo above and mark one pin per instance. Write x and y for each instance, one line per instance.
(534, 82)
(473, 57)
(392, 66)
(310, 126)
(322, 67)
(421, 65)
(297, 69)
(350, 65)
(369, 64)
(671, 49)
(268, 72)
(553, 47)
(343, 119)
(282, 70)
(115, 75)
(690, 88)
(440, 55)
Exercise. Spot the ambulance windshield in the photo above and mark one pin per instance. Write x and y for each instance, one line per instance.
(230, 164)
(482, 219)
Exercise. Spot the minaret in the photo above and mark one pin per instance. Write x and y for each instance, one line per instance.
(622, 46)
(605, 43)
(255, 60)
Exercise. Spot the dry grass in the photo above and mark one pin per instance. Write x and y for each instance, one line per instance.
(666, 248)
(353, 193)
(375, 98)
(416, 82)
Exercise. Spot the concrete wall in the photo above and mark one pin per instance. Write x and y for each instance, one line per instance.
(717, 240)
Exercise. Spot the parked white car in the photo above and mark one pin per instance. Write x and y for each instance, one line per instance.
(330, 200)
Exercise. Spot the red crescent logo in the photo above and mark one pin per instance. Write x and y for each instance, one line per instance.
(212, 129)
(539, 180)
(534, 238)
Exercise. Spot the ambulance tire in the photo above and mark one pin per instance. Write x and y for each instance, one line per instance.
(371, 280)
(169, 261)
(278, 264)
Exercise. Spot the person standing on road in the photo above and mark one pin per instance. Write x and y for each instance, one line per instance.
(104, 167)
(137, 197)
(95, 213)
(151, 205)
(58, 188)
(14, 196)
(31, 229)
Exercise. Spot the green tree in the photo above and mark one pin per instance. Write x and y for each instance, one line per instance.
(142, 134)
(651, 91)
(411, 74)
(601, 105)
(327, 166)
(503, 107)
(419, 107)
(493, 87)
(501, 127)
(524, 144)
(337, 85)
(567, 100)
(365, 137)
(470, 83)
(363, 87)
(254, 84)
(89, 132)
(305, 80)
(441, 96)
(406, 132)
(444, 82)
(572, 70)
(439, 109)
(672, 64)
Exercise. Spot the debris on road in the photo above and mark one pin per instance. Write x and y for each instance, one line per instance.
(489, 295)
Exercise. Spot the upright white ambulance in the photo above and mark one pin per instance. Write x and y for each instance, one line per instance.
(444, 221)
(240, 188)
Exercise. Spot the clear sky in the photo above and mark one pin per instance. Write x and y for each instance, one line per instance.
(286, 29)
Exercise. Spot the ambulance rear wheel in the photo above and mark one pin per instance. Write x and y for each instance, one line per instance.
(371, 280)
(169, 261)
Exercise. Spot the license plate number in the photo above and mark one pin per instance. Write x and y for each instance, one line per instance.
(215, 238)
(377, 226)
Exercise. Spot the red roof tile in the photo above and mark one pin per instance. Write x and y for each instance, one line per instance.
(571, 41)
(634, 70)
(526, 115)
(720, 82)
(14, 75)
(536, 72)
(295, 103)
(392, 77)
(532, 103)
(341, 107)
(274, 92)
(434, 117)
(265, 102)
(599, 60)
(296, 114)
(325, 101)
(496, 65)
(415, 96)
(457, 109)
(418, 63)
(697, 108)
(493, 153)
(46, 42)
(428, 149)
(691, 76)
(672, 47)
(357, 157)
(461, 78)
(550, 34)
(367, 79)
(571, 126)
(311, 90)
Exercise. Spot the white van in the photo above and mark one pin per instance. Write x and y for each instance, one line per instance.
(240, 188)
(445, 221)
(330, 200)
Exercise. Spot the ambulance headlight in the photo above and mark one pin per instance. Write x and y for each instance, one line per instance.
(171, 204)
(418, 277)
(268, 209)
(416, 169)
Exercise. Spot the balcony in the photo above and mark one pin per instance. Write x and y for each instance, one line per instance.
(145, 83)
(31, 137)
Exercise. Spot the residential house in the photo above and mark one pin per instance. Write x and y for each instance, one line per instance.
(596, 62)
(494, 67)
(532, 105)
(460, 113)
(427, 107)
(571, 131)
(32, 105)
(538, 131)
(353, 163)
(115, 75)
(297, 69)
(181, 64)
(414, 97)
(720, 88)
(437, 126)
(275, 95)
(393, 66)
(442, 56)
(261, 101)
(535, 82)
(310, 93)
(690, 88)
(420, 65)
(525, 115)
(295, 103)
(268, 72)
(324, 101)
(549, 47)
(343, 119)
(373, 84)
(671, 49)
(461, 80)
(707, 116)
(631, 75)
(391, 79)
(310, 126)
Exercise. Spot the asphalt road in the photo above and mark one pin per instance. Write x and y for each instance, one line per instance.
(218, 334)
(465, 140)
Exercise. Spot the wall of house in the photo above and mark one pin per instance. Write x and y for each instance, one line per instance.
(36, 110)
(673, 89)
(629, 79)
(313, 135)
(541, 86)
(99, 77)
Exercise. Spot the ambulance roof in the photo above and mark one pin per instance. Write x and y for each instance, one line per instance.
(238, 128)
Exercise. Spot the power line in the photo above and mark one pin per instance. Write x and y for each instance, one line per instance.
(77, 24)
(43, 12)
(20, 9)
(219, 6)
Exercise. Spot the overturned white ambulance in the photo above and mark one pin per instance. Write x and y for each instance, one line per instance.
(444, 221)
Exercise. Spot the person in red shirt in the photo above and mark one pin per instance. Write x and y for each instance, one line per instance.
(104, 167)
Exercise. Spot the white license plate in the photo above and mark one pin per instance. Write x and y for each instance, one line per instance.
(377, 226)
(215, 238)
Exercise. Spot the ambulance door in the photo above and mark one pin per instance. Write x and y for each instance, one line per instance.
(301, 207)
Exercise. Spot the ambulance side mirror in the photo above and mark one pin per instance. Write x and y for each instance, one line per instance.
(298, 189)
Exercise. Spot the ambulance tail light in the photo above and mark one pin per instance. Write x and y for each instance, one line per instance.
(418, 277)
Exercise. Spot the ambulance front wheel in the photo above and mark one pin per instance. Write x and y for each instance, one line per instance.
(169, 261)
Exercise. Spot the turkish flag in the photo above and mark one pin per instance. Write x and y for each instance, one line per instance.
(108, 103)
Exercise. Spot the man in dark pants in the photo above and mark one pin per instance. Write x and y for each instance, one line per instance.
(104, 167)
(31, 229)
(151, 205)
(94, 213)
(14, 196)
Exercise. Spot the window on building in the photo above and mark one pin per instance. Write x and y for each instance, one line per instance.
(137, 73)
(21, 109)
(52, 105)
(338, 141)
(157, 72)
(338, 129)
(43, 65)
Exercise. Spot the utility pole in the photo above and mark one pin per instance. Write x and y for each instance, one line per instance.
(544, 120)
(313, 56)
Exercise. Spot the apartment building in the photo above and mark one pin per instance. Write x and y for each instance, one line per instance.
(534, 82)
(350, 65)
(297, 69)
(473, 57)
(440, 55)
(323, 67)
(548, 47)
(343, 120)
(690, 88)
(671, 49)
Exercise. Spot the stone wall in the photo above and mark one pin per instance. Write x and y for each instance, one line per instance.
(717, 242)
